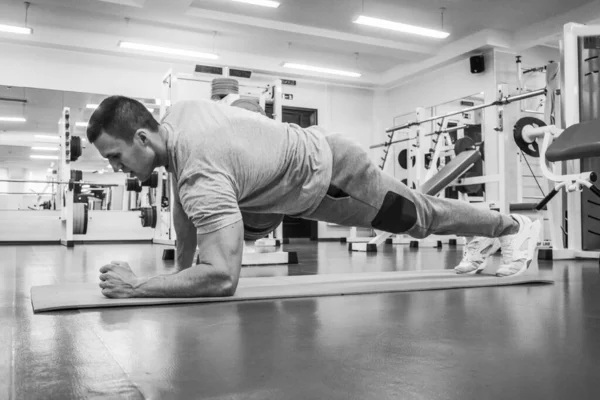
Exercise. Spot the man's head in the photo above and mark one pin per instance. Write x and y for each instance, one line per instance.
(126, 133)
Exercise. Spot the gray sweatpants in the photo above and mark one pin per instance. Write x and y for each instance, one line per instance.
(362, 195)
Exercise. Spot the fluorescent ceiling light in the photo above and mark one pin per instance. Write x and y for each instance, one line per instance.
(15, 29)
(81, 124)
(397, 26)
(45, 148)
(264, 3)
(40, 157)
(167, 50)
(46, 137)
(12, 119)
(323, 70)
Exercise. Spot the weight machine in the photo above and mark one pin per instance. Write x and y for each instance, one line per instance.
(181, 86)
(452, 173)
(571, 145)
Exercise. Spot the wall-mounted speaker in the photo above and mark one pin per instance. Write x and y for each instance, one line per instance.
(477, 64)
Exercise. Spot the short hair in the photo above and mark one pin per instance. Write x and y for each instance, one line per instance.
(120, 117)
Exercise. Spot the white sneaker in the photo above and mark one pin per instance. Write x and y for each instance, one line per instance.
(518, 250)
(476, 254)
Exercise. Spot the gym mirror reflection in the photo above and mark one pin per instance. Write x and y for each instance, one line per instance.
(29, 149)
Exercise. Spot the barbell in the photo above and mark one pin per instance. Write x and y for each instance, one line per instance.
(80, 217)
(131, 184)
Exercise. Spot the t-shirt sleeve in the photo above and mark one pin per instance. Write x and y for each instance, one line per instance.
(209, 201)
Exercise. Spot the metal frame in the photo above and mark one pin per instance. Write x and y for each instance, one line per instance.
(64, 171)
(502, 101)
(571, 115)
(371, 244)
(165, 233)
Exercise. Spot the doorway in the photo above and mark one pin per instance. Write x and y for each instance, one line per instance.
(303, 117)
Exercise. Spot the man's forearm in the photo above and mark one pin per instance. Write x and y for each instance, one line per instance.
(203, 280)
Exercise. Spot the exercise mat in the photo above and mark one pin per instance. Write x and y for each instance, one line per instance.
(88, 295)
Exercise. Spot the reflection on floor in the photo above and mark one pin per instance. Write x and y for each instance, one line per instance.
(509, 342)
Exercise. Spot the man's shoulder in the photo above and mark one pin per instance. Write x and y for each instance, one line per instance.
(182, 104)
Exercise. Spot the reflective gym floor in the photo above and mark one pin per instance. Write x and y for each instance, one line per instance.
(522, 342)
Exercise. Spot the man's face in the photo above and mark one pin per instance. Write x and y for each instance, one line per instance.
(136, 158)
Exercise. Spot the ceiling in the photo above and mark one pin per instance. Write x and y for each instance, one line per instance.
(316, 32)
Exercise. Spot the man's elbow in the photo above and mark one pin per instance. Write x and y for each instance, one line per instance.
(228, 287)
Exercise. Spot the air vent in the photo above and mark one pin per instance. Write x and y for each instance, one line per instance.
(207, 69)
(467, 103)
(11, 100)
(240, 73)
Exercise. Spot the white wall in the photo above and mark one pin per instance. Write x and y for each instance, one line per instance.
(448, 83)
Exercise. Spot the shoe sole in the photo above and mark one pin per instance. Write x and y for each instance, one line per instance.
(535, 229)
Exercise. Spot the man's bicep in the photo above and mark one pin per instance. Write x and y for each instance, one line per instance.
(223, 249)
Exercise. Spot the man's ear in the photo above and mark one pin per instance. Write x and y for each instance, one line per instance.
(142, 136)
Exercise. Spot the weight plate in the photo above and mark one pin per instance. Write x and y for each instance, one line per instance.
(402, 160)
(531, 149)
(133, 185)
(76, 175)
(76, 149)
(148, 217)
(80, 218)
(466, 143)
(152, 181)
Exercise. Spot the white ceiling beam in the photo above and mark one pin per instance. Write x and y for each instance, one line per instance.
(131, 3)
(551, 29)
(482, 40)
(308, 30)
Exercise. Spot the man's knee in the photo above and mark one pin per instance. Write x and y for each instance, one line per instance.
(257, 226)
(396, 215)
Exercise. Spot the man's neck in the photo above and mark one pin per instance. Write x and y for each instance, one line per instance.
(162, 151)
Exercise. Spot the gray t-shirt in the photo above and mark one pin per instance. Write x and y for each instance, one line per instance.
(226, 159)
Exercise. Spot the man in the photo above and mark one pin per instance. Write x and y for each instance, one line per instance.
(236, 173)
